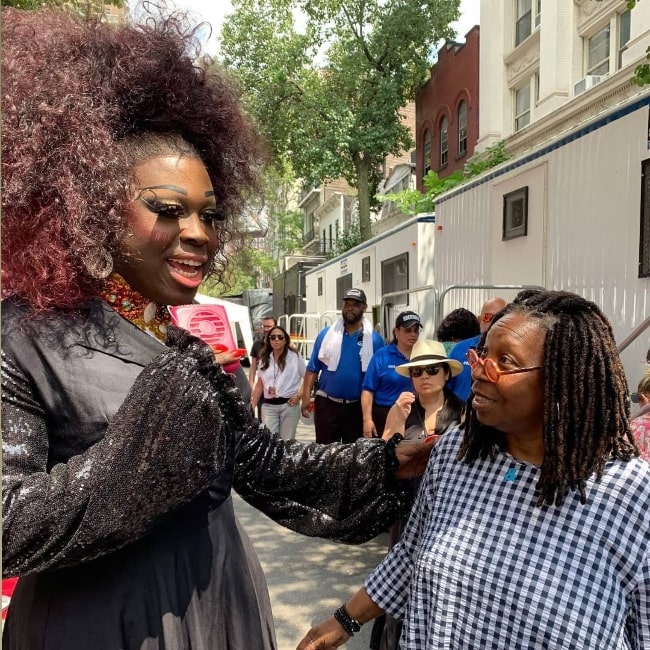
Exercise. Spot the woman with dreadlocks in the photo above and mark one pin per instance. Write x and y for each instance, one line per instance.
(125, 163)
(532, 525)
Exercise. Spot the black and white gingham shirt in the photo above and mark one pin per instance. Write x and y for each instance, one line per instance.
(481, 566)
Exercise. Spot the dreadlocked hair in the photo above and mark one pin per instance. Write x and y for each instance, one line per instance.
(586, 400)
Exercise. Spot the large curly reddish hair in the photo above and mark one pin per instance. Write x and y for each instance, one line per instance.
(74, 95)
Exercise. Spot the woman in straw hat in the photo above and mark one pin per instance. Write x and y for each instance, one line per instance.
(431, 408)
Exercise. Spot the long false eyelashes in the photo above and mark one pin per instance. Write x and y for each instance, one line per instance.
(173, 209)
(150, 200)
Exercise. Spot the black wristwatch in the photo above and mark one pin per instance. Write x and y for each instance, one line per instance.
(349, 624)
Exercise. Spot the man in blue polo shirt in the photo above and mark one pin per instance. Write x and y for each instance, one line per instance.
(339, 361)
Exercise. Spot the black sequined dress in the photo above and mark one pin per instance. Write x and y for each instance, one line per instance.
(119, 457)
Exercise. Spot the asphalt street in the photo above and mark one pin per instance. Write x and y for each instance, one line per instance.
(308, 578)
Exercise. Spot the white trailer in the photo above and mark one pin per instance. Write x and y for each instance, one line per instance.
(395, 263)
(571, 213)
(575, 206)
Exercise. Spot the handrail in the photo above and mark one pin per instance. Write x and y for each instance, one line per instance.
(384, 313)
(519, 287)
(634, 334)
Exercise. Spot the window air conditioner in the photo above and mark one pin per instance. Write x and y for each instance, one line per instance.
(587, 82)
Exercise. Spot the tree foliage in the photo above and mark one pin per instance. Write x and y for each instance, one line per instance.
(281, 226)
(347, 239)
(285, 223)
(329, 96)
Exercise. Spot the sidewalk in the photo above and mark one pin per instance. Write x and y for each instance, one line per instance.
(308, 578)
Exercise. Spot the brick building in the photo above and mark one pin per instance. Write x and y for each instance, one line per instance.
(447, 109)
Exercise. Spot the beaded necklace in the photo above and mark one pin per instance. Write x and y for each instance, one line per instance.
(145, 314)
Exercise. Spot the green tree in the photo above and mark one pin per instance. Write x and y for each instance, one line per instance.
(285, 223)
(347, 239)
(330, 96)
(245, 267)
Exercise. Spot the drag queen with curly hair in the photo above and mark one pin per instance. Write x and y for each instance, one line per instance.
(125, 161)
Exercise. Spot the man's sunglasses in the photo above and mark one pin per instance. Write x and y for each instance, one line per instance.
(418, 370)
(276, 337)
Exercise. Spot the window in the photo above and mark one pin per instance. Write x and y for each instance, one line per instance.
(320, 286)
(522, 107)
(598, 52)
(427, 152)
(331, 242)
(462, 129)
(365, 269)
(515, 214)
(644, 239)
(395, 277)
(604, 49)
(337, 228)
(342, 285)
(623, 35)
(528, 15)
(444, 142)
(523, 22)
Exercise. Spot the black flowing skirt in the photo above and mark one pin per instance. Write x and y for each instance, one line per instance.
(196, 583)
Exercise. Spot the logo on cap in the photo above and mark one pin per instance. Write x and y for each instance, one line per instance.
(355, 294)
(407, 317)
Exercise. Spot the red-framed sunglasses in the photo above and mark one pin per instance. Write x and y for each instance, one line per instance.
(490, 368)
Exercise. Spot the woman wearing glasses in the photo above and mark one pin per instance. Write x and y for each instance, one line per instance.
(431, 409)
(531, 527)
(381, 384)
(279, 378)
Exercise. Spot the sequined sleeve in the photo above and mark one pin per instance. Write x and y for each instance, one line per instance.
(165, 446)
(340, 492)
(337, 491)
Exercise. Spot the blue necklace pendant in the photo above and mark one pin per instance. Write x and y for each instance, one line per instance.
(511, 474)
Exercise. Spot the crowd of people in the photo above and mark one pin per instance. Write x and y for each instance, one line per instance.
(503, 456)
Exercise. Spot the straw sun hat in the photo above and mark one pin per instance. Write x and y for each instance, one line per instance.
(429, 353)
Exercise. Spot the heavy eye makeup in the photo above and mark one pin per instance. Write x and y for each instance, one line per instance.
(174, 210)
